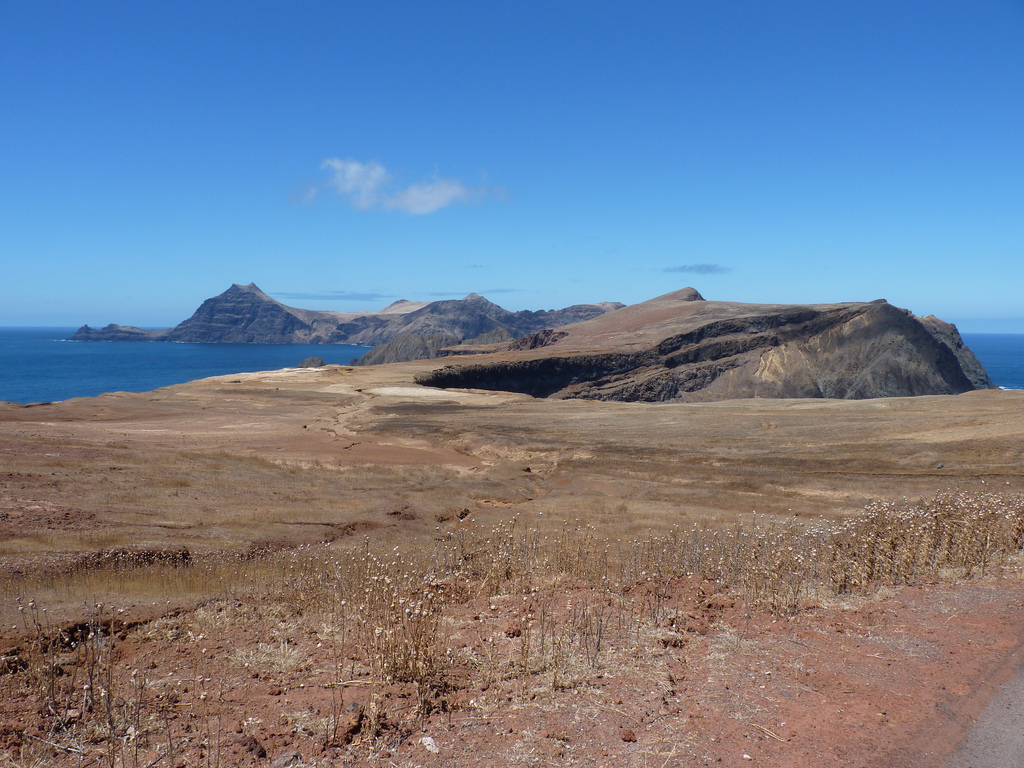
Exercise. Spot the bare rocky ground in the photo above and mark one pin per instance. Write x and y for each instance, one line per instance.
(229, 659)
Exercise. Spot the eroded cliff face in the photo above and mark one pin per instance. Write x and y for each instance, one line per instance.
(947, 334)
(850, 351)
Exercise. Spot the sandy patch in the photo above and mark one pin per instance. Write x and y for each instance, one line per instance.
(424, 393)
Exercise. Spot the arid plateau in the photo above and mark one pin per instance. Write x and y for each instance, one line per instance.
(342, 566)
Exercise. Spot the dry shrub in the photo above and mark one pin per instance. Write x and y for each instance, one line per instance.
(955, 533)
(506, 558)
(774, 564)
(87, 704)
(396, 608)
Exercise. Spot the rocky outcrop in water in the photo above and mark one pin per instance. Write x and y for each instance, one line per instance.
(117, 333)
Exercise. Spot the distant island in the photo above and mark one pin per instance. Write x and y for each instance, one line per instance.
(244, 314)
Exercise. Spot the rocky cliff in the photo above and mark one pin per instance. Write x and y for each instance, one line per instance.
(242, 314)
(679, 347)
(245, 314)
(947, 335)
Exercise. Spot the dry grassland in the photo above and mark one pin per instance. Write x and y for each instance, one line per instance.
(341, 565)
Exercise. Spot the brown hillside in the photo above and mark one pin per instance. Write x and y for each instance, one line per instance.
(682, 348)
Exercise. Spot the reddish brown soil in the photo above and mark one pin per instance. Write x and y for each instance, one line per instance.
(893, 680)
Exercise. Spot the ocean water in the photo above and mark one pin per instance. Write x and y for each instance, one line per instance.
(1002, 354)
(37, 364)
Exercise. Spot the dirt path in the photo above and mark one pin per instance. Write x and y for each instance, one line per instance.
(997, 740)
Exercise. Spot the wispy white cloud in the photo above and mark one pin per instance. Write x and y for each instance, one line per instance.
(369, 186)
(428, 197)
(482, 292)
(363, 183)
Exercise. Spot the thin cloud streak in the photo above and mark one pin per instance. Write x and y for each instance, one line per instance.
(463, 294)
(369, 186)
(699, 269)
(335, 296)
(427, 198)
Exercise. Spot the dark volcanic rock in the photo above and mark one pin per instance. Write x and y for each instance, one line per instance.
(408, 346)
(544, 338)
(542, 377)
(724, 351)
(118, 333)
(948, 335)
(475, 316)
(312, 362)
(244, 314)
(497, 336)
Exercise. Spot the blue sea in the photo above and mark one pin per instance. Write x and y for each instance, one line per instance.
(1002, 354)
(37, 365)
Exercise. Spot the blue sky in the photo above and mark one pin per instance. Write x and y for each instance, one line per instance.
(344, 155)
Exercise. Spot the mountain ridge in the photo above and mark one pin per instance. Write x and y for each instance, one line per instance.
(245, 314)
(676, 348)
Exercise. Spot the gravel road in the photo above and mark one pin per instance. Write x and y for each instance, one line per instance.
(997, 740)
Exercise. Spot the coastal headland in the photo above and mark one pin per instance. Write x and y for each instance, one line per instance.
(344, 564)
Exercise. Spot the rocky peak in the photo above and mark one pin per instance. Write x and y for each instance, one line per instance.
(242, 314)
(686, 294)
(479, 302)
(252, 288)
